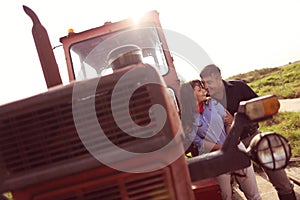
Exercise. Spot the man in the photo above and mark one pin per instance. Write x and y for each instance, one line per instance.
(230, 94)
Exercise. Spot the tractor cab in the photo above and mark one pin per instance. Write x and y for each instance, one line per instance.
(88, 53)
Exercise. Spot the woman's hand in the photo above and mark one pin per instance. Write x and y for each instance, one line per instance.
(228, 119)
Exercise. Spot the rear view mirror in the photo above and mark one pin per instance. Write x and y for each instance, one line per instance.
(270, 150)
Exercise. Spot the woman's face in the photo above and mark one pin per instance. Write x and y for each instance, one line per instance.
(200, 93)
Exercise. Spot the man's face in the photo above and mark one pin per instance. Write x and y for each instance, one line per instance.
(213, 84)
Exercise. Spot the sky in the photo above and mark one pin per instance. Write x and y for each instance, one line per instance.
(239, 36)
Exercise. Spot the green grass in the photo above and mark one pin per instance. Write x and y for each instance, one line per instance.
(288, 125)
(283, 81)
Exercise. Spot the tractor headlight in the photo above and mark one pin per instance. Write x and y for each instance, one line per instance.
(270, 150)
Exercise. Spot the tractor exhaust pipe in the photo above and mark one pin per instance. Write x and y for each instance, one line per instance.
(44, 49)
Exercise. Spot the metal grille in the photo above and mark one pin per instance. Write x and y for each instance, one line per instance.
(39, 138)
(39, 133)
(154, 185)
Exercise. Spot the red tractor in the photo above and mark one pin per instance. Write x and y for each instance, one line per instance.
(114, 132)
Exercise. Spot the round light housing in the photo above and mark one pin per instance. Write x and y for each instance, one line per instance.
(270, 150)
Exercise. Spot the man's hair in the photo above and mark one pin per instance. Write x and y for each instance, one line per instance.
(210, 70)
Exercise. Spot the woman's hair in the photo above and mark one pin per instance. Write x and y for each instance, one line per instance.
(188, 103)
(195, 83)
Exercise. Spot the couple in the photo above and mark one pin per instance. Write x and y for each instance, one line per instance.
(208, 122)
(207, 127)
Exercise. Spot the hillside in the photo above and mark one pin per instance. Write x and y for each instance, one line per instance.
(282, 81)
(285, 83)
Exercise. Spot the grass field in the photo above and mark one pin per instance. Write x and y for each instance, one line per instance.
(284, 82)
(288, 125)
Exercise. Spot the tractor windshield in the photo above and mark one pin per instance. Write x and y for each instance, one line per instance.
(90, 57)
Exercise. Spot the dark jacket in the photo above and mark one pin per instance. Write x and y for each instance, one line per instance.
(237, 91)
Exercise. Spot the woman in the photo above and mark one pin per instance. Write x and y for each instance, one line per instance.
(205, 122)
